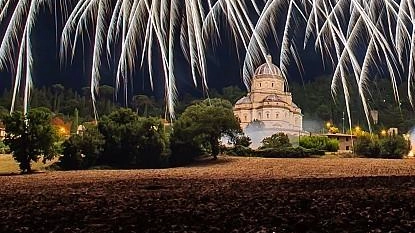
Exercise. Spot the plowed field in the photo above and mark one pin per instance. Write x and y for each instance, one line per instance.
(228, 195)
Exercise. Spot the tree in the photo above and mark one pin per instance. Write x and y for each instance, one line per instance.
(232, 93)
(75, 121)
(107, 92)
(30, 137)
(82, 151)
(57, 91)
(394, 147)
(105, 104)
(132, 141)
(141, 104)
(367, 145)
(202, 125)
(278, 140)
(242, 140)
(151, 144)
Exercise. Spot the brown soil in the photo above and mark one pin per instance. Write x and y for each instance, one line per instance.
(228, 195)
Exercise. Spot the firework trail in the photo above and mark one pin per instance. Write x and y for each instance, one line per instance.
(16, 52)
(139, 25)
(358, 37)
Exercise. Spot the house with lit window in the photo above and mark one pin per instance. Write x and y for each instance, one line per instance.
(345, 141)
(2, 132)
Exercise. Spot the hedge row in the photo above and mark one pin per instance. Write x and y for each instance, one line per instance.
(283, 152)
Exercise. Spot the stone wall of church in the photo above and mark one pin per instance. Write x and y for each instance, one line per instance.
(264, 86)
(272, 117)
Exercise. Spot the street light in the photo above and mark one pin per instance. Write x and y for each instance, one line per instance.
(383, 133)
(328, 125)
(357, 130)
(343, 123)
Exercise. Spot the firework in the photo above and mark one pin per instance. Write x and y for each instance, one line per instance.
(139, 25)
(358, 37)
(20, 17)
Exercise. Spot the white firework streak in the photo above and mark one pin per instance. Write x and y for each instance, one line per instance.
(334, 27)
(17, 37)
(326, 23)
(139, 25)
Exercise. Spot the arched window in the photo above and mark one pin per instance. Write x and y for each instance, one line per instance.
(277, 115)
(259, 115)
(272, 84)
(245, 117)
(260, 84)
(267, 115)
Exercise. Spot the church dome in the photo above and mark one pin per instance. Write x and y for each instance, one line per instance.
(268, 69)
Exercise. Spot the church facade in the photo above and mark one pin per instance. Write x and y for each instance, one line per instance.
(269, 104)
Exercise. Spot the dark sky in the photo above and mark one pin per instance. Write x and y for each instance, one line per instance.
(224, 69)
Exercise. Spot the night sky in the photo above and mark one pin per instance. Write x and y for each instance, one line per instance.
(223, 66)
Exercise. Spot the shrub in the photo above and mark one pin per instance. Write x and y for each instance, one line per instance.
(319, 143)
(278, 140)
(287, 152)
(183, 152)
(367, 146)
(239, 150)
(3, 148)
(391, 147)
(332, 145)
(394, 147)
(242, 140)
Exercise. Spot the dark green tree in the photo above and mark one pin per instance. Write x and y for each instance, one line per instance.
(30, 137)
(57, 90)
(83, 150)
(242, 140)
(106, 101)
(232, 93)
(141, 104)
(278, 140)
(394, 147)
(75, 121)
(202, 125)
(132, 141)
(367, 145)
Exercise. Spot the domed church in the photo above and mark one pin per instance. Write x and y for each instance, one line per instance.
(269, 103)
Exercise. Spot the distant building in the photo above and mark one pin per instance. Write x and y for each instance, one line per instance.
(2, 133)
(268, 105)
(269, 102)
(393, 131)
(345, 141)
(80, 130)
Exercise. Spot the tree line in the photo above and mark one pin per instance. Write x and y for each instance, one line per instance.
(313, 97)
(122, 139)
